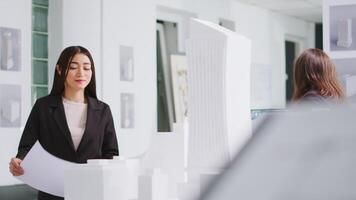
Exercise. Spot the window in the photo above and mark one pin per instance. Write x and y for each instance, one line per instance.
(39, 85)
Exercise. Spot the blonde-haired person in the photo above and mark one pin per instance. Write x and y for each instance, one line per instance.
(315, 78)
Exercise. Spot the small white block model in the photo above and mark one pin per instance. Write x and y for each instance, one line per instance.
(344, 33)
(349, 83)
(99, 179)
(188, 190)
(133, 171)
(205, 180)
(10, 110)
(153, 185)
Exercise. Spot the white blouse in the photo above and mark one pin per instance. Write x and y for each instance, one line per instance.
(76, 115)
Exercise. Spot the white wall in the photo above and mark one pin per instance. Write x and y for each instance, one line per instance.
(210, 10)
(75, 23)
(11, 136)
(131, 23)
(266, 29)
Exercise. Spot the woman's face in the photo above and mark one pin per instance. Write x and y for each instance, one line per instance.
(79, 73)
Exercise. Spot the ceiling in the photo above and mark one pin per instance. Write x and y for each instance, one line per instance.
(309, 10)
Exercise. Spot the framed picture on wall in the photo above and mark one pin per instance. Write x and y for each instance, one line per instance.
(10, 106)
(339, 31)
(127, 101)
(180, 86)
(10, 49)
(126, 63)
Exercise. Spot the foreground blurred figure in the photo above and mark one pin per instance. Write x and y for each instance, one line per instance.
(298, 154)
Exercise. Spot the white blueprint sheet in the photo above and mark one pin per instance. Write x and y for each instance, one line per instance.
(44, 171)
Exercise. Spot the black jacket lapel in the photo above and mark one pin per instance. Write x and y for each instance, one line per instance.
(60, 118)
(91, 123)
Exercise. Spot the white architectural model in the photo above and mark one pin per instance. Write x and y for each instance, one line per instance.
(102, 179)
(153, 186)
(133, 167)
(344, 33)
(218, 95)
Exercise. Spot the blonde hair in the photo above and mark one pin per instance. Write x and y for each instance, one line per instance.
(313, 70)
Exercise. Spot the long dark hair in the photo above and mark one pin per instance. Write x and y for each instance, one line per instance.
(313, 70)
(62, 65)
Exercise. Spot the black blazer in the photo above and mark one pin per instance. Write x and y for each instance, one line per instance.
(47, 124)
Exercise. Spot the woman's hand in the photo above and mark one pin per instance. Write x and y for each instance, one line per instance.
(15, 167)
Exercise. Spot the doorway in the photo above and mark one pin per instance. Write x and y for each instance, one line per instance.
(290, 52)
(167, 44)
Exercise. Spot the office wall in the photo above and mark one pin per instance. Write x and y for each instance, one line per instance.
(131, 24)
(82, 26)
(267, 30)
(10, 136)
(75, 23)
(210, 10)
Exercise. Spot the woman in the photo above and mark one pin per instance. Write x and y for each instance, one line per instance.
(315, 78)
(70, 123)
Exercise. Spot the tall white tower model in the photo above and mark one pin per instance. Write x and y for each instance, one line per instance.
(218, 95)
